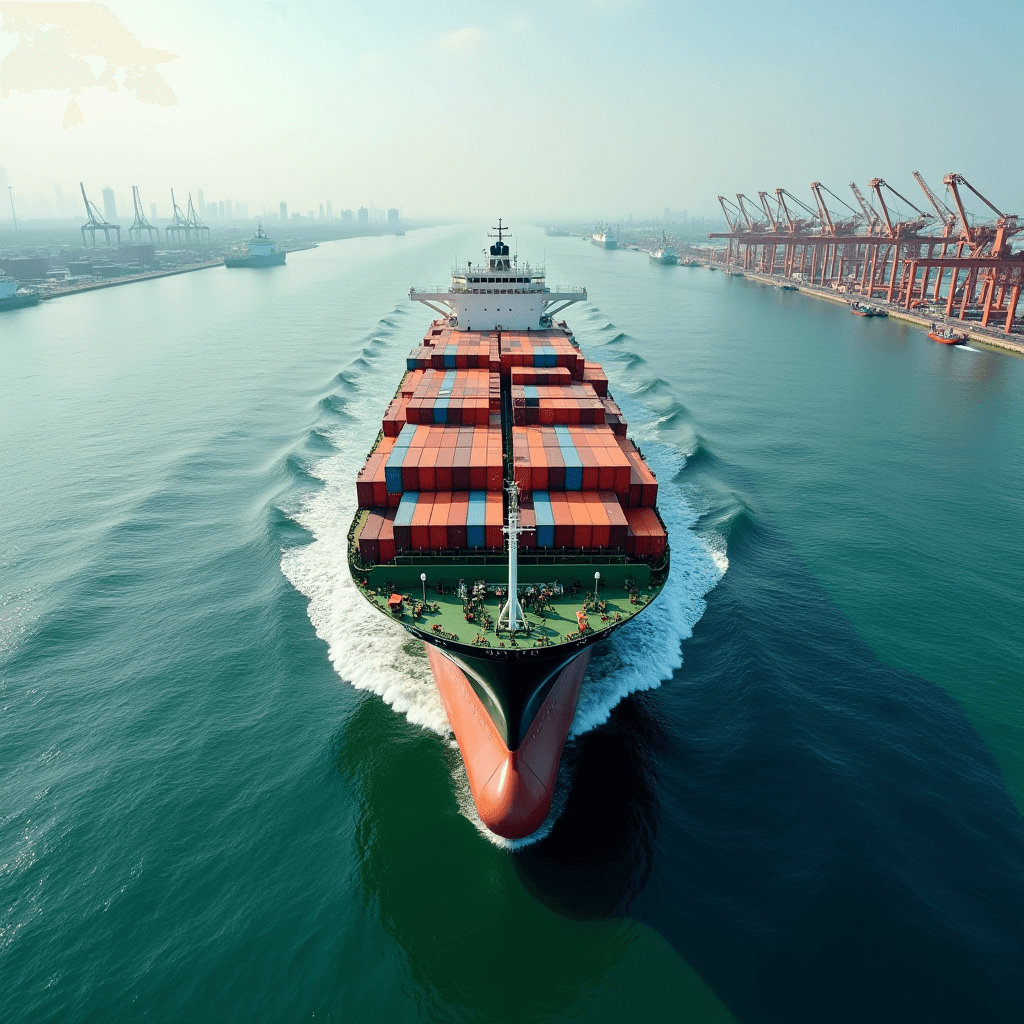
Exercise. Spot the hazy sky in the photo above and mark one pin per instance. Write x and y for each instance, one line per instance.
(596, 108)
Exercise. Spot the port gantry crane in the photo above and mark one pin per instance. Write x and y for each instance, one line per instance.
(989, 263)
(194, 223)
(96, 221)
(140, 223)
(179, 224)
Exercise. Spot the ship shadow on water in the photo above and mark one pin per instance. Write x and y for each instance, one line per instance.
(820, 836)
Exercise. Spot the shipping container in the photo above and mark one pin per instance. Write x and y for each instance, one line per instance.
(387, 536)
(476, 520)
(369, 537)
(440, 504)
(421, 523)
(494, 519)
(545, 519)
(457, 514)
(403, 520)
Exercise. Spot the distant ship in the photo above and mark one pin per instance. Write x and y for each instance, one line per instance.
(863, 309)
(555, 231)
(13, 297)
(605, 238)
(947, 336)
(666, 255)
(259, 251)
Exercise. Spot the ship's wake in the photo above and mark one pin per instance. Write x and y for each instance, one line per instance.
(377, 656)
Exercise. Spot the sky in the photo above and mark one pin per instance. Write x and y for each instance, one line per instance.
(560, 110)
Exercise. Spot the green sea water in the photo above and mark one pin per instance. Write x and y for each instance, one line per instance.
(227, 791)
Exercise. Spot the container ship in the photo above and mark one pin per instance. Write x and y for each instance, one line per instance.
(259, 251)
(507, 521)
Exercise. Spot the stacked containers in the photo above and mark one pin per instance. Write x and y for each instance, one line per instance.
(542, 350)
(377, 537)
(553, 376)
(569, 458)
(454, 396)
(579, 520)
(434, 458)
(643, 485)
(574, 404)
(647, 537)
(371, 485)
(596, 378)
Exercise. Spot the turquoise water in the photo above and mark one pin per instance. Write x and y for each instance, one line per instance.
(227, 792)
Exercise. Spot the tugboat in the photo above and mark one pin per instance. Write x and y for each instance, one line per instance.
(259, 251)
(863, 309)
(13, 297)
(947, 336)
(507, 522)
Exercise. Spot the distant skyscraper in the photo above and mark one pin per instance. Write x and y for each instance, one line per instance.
(109, 206)
(321, 211)
(330, 212)
(228, 215)
(152, 211)
(363, 216)
(346, 217)
(284, 212)
(220, 210)
(392, 218)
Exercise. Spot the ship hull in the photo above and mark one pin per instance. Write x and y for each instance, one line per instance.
(274, 259)
(512, 788)
(956, 340)
(19, 301)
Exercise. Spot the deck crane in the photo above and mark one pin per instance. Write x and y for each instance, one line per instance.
(945, 214)
(900, 227)
(870, 213)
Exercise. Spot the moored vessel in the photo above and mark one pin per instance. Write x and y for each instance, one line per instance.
(258, 251)
(665, 254)
(604, 237)
(13, 297)
(506, 520)
(947, 336)
(863, 309)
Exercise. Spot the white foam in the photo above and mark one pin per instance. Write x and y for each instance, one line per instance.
(375, 655)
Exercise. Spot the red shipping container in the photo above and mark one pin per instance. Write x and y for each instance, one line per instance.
(420, 528)
(528, 518)
(387, 536)
(564, 525)
(439, 521)
(582, 527)
(457, 513)
(460, 469)
(364, 482)
(477, 469)
(618, 527)
(601, 528)
(443, 475)
(427, 477)
(369, 537)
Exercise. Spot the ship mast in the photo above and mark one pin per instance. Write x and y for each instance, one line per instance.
(511, 616)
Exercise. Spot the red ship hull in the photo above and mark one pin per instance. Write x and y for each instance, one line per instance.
(512, 789)
(955, 340)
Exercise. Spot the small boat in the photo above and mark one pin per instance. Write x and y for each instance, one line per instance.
(947, 336)
(787, 288)
(863, 309)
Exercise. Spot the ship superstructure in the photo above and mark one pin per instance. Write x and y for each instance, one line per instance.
(605, 238)
(507, 521)
(13, 297)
